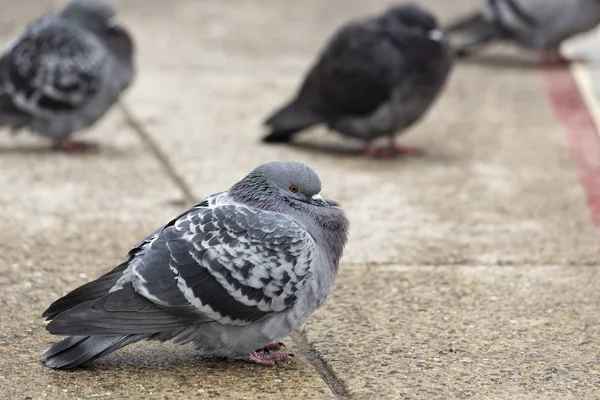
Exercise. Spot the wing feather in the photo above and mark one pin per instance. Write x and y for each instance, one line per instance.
(232, 263)
(226, 263)
(53, 68)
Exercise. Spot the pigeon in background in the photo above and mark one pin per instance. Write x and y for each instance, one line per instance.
(232, 275)
(65, 72)
(374, 79)
(536, 24)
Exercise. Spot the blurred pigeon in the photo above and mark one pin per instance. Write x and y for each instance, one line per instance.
(65, 72)
(375, 78)
(233, 274)
(535, 24)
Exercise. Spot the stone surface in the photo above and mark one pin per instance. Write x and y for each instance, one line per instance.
(470, 272)
(463, 332)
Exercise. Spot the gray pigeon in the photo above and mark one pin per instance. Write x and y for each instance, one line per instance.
(374, 79)
(65, 72)
(233, 275)
(536, 24)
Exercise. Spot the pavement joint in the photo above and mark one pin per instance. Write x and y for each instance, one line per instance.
(326, 373)
(159, 154)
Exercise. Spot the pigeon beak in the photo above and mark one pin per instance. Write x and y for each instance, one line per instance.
(324, 202)
(436, 35)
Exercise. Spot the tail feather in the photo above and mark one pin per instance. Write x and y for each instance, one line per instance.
(478, 30)
(90, 291)
(290, 119)
(469, 23)
(77, 350)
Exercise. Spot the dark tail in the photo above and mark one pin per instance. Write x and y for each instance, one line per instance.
(290, 119)
(467, 24)
(479, 33)
(77, 350)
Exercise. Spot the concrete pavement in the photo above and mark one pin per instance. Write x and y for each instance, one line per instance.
(470, 272)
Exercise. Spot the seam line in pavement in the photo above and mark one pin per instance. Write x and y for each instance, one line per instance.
(320, 365)
(159, 154)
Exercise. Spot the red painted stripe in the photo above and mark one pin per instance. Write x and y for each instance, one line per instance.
(582, 134)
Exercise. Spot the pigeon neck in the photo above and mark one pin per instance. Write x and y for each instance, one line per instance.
(333, 229)
(327, 225)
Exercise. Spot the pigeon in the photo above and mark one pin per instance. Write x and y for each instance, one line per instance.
(535, 24)
(233, 275)
(65, 72)
(375, 78)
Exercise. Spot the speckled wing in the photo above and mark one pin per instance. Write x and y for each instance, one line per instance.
(557, 19)
(510, 16)
(53, 68)
(226, 263)
(232, 264)
(103, 285)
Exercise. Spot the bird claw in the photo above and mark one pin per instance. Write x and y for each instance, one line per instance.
(265, 358)
(274, 346)
(75, 146)
(553, 58)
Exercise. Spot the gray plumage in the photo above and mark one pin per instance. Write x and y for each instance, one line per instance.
(240, 269)
(66, 70)
(375, 78)
(536, 24)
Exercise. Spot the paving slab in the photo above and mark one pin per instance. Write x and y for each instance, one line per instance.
(463, 332)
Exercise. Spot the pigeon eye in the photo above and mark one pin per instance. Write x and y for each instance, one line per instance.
(294, 189)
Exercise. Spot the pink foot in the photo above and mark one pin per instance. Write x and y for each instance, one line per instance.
(264, 358)
(274, 346)
(378, 152)
(553, 58)
(75, 146)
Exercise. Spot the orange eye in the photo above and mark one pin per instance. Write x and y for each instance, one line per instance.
(294, 189)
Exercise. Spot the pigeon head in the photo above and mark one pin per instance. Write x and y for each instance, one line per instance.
(90, 13)
(278, 184)
(414, 19)
(100, 17)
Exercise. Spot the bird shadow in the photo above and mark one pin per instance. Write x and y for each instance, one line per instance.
(28, 149)
(332, 149)
(349, 153)
(509, 61)
(142, 365)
